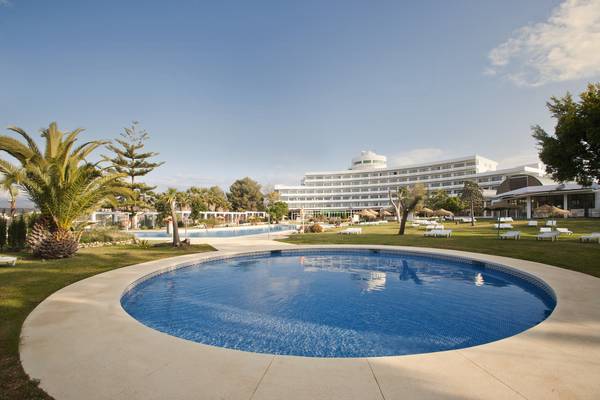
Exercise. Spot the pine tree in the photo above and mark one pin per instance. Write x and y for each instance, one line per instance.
(130, 159)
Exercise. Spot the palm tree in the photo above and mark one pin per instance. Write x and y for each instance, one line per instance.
(8, 184)
(184, 200)
(170, 197)
(406, 201)
(63, 185)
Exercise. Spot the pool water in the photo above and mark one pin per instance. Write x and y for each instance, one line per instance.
(219, 232)
(348, 303)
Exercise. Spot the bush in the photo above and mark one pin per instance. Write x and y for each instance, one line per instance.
(315, 228)
(3, 232)
(105, 235)
(17, 233)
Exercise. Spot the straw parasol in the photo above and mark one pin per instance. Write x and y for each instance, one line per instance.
(549, 210)
(386, 213)
(426, 211)
(443, 213)
(368, 214)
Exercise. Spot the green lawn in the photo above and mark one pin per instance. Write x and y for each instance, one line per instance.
(567, 252)
(23, 287)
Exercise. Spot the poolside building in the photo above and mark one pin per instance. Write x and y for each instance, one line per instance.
(365, 184)
(581, 201)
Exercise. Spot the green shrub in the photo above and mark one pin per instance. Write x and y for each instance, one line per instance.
(3, 232)
(315, 228)
(105, 235)
(144, 244)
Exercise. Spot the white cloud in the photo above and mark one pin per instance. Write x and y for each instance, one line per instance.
(418, 156)
(517, 159)
(565, 47)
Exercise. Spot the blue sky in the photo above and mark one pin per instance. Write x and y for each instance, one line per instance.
(271, 89)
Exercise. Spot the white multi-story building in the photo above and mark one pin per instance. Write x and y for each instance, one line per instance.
(368, 180)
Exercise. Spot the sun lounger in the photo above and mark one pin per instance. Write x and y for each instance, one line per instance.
(502, 226)
(351, 231)
(594, 237)
(506, 219)
(532, 223)
(545, 230)
(551, 223)
(564, 231)
(439, 233)
(7, 260)
(431, 227)
(511, 235)
(548, 235)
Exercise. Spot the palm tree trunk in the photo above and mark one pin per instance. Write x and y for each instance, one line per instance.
(13, 207)
(403, 222)
(176, 240)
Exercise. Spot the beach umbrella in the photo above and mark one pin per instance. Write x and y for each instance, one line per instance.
(549, 210)
(426, 211)
(367, 214)
(443, 213)
(545, 209)
(559, 212)
(386, 213)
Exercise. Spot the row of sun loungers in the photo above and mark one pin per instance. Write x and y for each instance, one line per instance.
(502, 226)
(7, 260)
(548, 223)
(351, 231)
(439, 233)
(594, 237)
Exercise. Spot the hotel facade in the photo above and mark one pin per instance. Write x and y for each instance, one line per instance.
(365, 185)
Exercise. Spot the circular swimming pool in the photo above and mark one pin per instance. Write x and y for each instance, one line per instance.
(340, 303)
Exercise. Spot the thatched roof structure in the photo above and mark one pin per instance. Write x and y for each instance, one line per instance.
(443, 213)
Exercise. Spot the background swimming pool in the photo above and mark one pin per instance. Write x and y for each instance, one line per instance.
(340, 303)
(219, 232)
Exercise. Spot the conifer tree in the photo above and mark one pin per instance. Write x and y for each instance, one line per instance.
(130, 159)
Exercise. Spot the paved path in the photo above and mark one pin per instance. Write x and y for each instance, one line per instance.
(81, 344)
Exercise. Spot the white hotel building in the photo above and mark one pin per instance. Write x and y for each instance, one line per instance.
(367, 182)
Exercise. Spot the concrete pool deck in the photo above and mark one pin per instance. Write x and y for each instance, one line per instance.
(81, 344)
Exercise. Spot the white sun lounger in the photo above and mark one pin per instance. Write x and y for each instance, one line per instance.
(594, 237)
(7, 260)
(511, 235)
(506, 219)
(532, 223)
(548, 235)
(439, 233)
(551, 223)
(564, 231)
(351, 231)
(502, 226)
(545, 230)
(432, 227)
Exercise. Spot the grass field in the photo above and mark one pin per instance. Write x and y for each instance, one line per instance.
(28, 283)
(566, 252)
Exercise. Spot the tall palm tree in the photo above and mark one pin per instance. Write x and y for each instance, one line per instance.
(61, 182)
(184, 200)
(170, 197)
(9, 185)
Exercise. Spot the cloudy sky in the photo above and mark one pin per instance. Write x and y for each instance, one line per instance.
(271, 89)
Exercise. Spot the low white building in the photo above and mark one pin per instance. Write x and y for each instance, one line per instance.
(366, 183)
